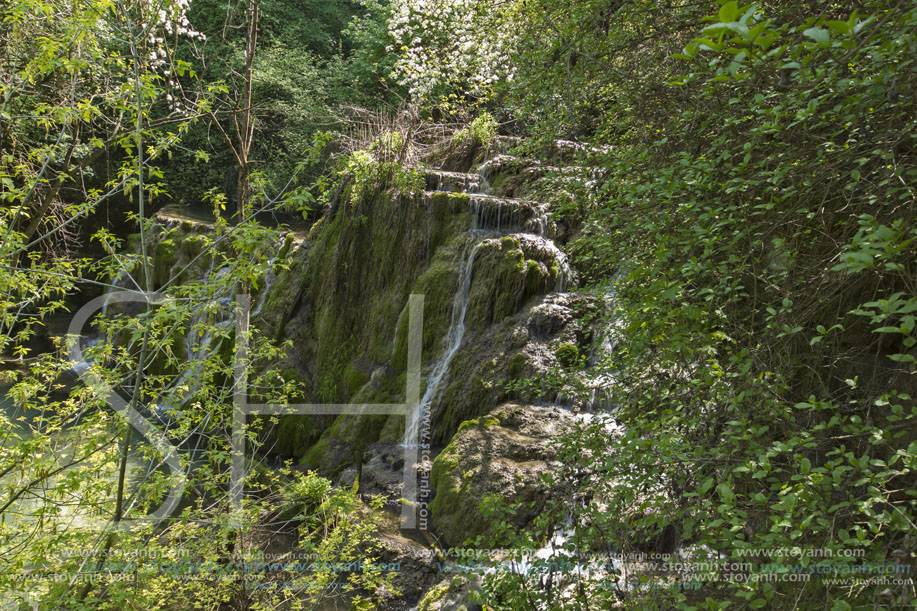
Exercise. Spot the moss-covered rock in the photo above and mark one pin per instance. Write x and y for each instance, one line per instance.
(294, 436)
(507, 272)
(165, 256)
(493, 358)
(455, 593)
(567, 353)
(504, 454)
(340, 299)
(346, 286)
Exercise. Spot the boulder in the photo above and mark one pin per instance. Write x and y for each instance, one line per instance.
(505, 454)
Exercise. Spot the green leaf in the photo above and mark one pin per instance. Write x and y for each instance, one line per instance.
(839, 27)
(725, 492)
(705, 485)
(818, 34)
(840, 605)
(729, 12)
(805, 465)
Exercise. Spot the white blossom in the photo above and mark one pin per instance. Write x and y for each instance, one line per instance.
(450, 39)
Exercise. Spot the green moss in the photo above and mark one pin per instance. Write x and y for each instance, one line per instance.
(450, 201)
(312, 459)
(454, 508)
(192, 245)
(294, 435)
(499, 286)
(448, 216)
(340, 300)
(164, 257)
(471, 392)
(353, 380)
(355, 430)
(449, 488)
(509, 242)
(435, 595)
(438, 285)
(467, 425)
(568, 354)
(132, 243)
(537, 277)
(285, 292)
(516, 366)
(286, 247)
(393, 429)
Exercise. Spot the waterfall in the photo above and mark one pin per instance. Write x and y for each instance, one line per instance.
(421, 416)
(269, 278)
(489, 214)
(401, 316)
(603, 344)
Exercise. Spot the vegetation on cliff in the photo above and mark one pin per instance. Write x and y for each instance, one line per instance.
(667, 254)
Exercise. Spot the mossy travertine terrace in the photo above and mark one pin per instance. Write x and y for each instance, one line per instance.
(340, 302)
(340, 305)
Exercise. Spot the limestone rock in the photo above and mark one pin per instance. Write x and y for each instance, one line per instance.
(504, 453)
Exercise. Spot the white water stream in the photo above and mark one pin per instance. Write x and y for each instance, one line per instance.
(453, 341)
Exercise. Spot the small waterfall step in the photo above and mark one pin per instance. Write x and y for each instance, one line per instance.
(457, 182)
(421, 417)
(531, 168)
(501, 214)
(507, 214)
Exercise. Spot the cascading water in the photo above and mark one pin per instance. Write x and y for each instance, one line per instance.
(603, 345)
(489, 214)
(198, 348)
(421, 416)
(401, 316)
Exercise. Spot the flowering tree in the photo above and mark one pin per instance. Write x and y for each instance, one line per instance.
(453, 44)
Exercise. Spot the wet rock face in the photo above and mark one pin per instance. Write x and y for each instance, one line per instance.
(174, 244)
(504, 453)
(476, 242)
(548, 318)
(522, 346)
(417, 571)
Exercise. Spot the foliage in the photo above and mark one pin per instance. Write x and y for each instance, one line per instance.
(380, 166)
(101, 81)
(748, 182)
(297, 85)
(482, 131)
(452, 46)
(755, 170)
(365, 77)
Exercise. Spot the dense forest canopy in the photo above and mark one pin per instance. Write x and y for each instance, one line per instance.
(670, 289)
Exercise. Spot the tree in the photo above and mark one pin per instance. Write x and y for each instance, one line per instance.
(61, 466)
(752, 205)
